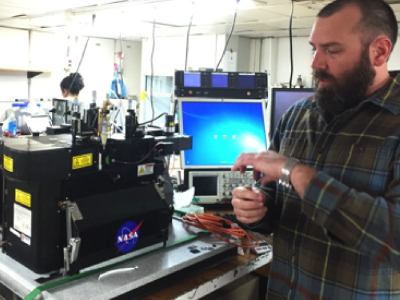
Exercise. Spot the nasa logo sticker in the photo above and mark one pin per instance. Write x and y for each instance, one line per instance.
(127, 237)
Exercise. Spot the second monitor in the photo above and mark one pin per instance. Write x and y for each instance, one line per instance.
(282, 99)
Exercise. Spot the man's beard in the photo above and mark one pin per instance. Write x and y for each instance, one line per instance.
(346, 91)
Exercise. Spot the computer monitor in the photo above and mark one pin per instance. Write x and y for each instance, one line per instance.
(282, 100)
(221, 130)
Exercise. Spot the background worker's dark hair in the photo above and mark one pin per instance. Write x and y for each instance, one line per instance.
(377, 19)
(77, 85)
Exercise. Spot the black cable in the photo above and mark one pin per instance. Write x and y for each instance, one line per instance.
(152, 68)
(291, 47)
(227, 42)
(95, 119)
(176, 107)
(187, 37)
(153, 119)
(80, 62)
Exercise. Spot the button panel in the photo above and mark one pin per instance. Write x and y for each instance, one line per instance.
(229, 181)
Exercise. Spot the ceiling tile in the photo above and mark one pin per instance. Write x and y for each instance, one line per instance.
(266, 18)
(298, 11)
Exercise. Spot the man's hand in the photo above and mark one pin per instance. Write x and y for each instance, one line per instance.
(270, 163)
(248, 204)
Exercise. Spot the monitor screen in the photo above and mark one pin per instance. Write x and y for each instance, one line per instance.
(221, 131)
(192, 80)
(247, 81)
(282, 100)
(219, 80)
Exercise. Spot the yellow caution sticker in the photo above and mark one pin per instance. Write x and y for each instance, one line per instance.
(22, 197)
(146, 169)
(8, 164)
(141, 171)
(82, 161)
(143, 96)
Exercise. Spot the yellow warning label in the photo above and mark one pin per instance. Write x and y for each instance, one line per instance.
(82, 161)
(141, 171)
(23, 198)
(146, 169)
(171, 124)
(8, 164)
(143, 96)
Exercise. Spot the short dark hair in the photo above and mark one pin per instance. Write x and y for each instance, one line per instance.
(76, 86)
(377, 18)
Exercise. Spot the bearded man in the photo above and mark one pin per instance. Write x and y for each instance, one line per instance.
(331, 179)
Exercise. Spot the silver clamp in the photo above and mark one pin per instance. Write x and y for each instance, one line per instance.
(71, 251)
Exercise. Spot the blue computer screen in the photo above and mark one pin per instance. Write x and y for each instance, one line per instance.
(219, 80)
(191, 80)
(221, 131)
(247, 81)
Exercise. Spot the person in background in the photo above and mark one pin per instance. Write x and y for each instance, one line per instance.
(330, 190)
(75, 88)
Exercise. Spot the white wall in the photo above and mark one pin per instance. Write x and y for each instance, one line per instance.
(243, 64)
(14, 48)
(267, 60)
(394, 61)
(302, 60)
(132, 65)
(97, 67)
(275, 59)
(170, 53)
(14, 54)
(13, 85)
(242, 46)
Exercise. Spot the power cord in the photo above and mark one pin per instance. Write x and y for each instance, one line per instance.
(151, 121)
(152, 67)
(80, 62)
(187, 37)
(291, 46)
(227, 42)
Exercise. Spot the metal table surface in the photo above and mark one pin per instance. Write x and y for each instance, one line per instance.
(127, 276)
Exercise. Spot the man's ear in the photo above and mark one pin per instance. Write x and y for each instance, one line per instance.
(380, 51)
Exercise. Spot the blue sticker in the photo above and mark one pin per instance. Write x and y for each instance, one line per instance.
(128, 236)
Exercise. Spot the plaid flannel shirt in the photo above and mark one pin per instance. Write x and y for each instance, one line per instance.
(342, 241)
